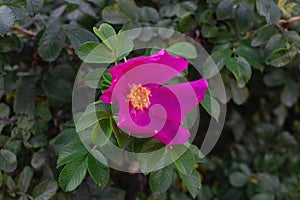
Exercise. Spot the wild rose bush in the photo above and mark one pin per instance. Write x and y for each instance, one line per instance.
(255, 46)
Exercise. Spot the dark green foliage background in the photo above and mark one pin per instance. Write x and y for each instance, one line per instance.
(255, 44)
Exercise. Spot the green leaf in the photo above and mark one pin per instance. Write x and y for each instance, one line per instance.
(189, 5)
(243, 18)
(240, 69)
(263, 35)
(165, 33)
(251, 54)
(8, 161)
(198, 156)
(192, 182)
(267, 183)
(45, 190)
(114, 15)
(73, 174)
(238, 179)
(161, 180)
(93, 52)
(167, 10)
(281, 57)
(225, 10)
(146, 34)
(187, 24)
(275, 42)
(121, 45)
(7, 19)
(104, 32)
(34, 6)
(293, 37)
(99, 156)
(185, 9)
(98, 171)
(184, 49)
(216, 62)
(105, 81)
(17, 7)
(102, 132)
(43, 112)
(191, 118)
(63, 138)
(89, 119)
(239, 95)
(118, 135)
(92, 79)
(24, 102)
(212, 107)
(209, 31)
(78, 36)
(148, 14)
(87, 9)
(290, 94)
(269, 10)
(38, 159)
(57, 90)
(25, 178)
(185, 163)
(130, 8)
(10, 183)
(51, 42)
(71, 151)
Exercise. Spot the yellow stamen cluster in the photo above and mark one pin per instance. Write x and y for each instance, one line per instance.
(139, 96)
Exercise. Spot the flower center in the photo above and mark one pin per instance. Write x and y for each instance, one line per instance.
(139, 96)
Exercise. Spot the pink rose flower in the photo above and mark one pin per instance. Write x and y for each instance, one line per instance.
(146, 108)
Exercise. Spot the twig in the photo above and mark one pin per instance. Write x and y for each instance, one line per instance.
(22, 30)
(292, 19)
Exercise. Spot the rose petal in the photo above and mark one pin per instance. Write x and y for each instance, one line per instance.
(172, 134)
(158, 68)
(141, 122)
(188, 95)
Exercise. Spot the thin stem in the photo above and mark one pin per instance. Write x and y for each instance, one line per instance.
(292, 19)
(23, 31)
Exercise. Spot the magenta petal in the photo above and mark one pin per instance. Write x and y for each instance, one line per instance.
(188, 95)
(158, 69)
(145, 123)
(162, 119)
(166, 98)
(141, 122)
(172, 134)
